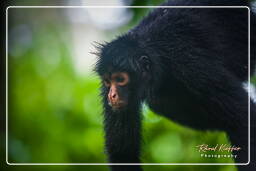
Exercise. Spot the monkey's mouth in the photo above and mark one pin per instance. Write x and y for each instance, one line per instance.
(117, 105)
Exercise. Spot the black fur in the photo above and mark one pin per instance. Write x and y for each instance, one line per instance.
(198, 61)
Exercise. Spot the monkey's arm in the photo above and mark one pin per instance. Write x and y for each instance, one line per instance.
(224, 99)
(123, 134)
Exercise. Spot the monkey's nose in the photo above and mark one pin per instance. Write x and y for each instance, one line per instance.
(114, 95)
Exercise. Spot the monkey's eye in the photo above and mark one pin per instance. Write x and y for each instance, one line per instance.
(106, 82)
(121, 78)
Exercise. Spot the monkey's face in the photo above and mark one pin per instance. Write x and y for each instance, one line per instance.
(117, 84)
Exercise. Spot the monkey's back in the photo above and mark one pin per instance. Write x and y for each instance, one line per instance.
(184, 34)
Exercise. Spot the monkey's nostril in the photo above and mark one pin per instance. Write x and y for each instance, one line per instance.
(114, 96)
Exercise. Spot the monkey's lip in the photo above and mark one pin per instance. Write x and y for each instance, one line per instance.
(118, 105)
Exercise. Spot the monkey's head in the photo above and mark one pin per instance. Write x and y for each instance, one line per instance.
(125, 71)
(117, 85)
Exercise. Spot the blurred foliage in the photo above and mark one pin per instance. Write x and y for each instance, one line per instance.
(55, 115)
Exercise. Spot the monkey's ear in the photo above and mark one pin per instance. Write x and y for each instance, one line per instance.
(144, 63)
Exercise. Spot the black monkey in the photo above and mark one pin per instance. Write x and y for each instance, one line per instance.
(187, 64)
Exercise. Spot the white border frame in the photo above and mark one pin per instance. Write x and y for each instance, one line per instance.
(9, 7)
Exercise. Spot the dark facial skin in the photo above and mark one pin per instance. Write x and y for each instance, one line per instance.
(118, 84)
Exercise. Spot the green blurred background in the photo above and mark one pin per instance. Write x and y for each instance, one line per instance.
(54, 106)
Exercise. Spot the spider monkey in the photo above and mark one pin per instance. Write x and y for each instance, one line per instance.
(186, 64)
